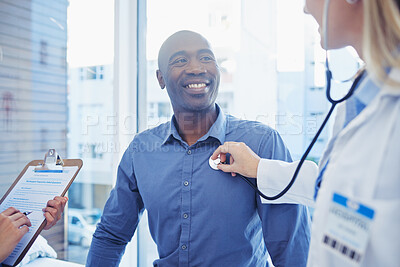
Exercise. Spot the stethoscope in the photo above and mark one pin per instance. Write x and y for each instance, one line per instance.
(328, 73)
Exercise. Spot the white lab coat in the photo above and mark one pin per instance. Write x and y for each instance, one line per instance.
(364, 165)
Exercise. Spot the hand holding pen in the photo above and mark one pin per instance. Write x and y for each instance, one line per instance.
(13, 226)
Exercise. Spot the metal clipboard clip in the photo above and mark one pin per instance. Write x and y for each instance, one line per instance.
(52, 162)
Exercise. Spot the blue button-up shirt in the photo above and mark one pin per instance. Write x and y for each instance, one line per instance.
(199, 216)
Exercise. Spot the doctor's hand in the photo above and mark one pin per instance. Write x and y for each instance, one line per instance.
(13, 226)
(53, 211)
(242, 160)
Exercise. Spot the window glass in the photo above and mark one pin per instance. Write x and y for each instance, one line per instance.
(91, 124)
(33, 85)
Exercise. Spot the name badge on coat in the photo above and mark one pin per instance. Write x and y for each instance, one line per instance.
(347, 230)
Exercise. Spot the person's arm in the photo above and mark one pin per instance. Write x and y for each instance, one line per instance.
(286, 227)
(272, 175)
(120, 218)
(13, 226)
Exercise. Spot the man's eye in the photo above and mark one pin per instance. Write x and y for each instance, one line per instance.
(179, 61)
(207, 58)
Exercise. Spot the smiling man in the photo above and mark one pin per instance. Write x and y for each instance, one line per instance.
(197, 216)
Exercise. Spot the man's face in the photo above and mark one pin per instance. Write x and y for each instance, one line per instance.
(189, 70)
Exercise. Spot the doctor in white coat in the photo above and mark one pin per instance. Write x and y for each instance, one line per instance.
(356, 188)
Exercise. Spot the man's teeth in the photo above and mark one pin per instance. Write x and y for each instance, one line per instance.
(196, 85)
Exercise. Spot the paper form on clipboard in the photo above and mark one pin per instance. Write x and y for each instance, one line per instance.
(30, 193)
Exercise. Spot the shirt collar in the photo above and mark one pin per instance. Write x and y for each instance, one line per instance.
(217, 130)
(367, 90)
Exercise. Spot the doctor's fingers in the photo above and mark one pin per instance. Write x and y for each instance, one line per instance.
(218, 152)
(231, 161)
(52, 216)
(50, 220)
(20, 220)
(17, 219)
(22, 231)
(53, 211)
(16, 216)
(58, 203)
(227, 147)
(228, 168)
(15, 234)
(10, 211)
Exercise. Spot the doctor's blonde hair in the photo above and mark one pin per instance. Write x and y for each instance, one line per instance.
(381, 44)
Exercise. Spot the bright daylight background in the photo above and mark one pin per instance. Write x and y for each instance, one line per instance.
(271, 71)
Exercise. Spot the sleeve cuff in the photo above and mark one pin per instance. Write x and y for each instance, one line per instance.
(274, 175)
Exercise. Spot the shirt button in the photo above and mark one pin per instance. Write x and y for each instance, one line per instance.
(185, 183)
(183, 247)
(185, 215)
(189, 152)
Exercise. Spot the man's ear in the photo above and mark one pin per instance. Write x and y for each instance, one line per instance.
(160, 79)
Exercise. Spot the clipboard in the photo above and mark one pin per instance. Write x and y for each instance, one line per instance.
(47, 168)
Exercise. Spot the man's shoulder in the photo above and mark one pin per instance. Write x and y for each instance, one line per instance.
(261, 138)
(254, 128)
(154, 134)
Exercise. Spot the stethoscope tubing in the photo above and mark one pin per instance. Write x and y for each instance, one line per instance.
(333, 102)
(314, 140)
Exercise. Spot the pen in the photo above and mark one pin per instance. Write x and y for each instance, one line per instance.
(26, 213)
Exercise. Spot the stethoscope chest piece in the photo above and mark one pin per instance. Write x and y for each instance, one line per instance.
(214, 163)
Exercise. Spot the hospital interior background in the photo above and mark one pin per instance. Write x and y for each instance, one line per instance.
(57, 88)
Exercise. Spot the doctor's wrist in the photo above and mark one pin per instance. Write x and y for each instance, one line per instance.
(253, 167)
